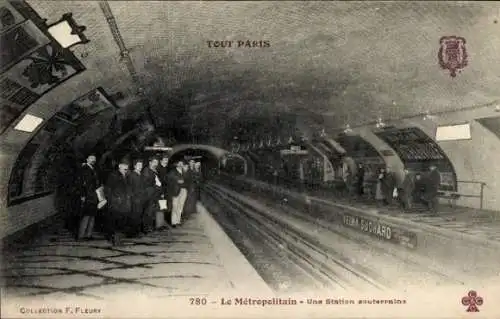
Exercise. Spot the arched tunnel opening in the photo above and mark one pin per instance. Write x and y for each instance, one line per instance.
(209, 161)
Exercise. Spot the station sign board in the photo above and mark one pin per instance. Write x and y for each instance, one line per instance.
(381, 230)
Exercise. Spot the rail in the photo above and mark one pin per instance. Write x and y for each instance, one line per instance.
(319, 260)
(334, 223)
(456, 195)
(324, 219)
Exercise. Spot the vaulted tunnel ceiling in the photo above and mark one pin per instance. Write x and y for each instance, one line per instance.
(328, 62)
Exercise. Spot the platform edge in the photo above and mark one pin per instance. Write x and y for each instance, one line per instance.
(241, 273)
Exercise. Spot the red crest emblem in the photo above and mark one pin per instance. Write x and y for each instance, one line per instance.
(452, 54)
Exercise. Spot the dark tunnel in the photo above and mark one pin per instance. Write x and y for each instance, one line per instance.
(209, 161)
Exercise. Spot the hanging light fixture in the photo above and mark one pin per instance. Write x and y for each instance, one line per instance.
(322, 133)
(428, 116)
(347, 129)
(67, 32)
(380, 123)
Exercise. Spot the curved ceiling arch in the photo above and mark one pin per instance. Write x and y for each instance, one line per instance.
(215, 151)
(329, 62)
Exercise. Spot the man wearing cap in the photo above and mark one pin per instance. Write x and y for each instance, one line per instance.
(177, 189)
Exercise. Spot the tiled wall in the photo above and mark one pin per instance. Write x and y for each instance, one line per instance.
(477, 160)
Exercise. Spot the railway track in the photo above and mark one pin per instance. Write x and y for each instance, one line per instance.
(369, 244)
(326, 267)
(269, 260)
(416, 263)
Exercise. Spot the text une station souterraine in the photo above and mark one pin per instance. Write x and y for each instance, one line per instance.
(307, 301)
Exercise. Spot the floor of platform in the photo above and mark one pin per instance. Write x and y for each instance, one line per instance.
(176, 262)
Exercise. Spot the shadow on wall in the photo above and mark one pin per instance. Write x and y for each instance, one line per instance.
(65, 201)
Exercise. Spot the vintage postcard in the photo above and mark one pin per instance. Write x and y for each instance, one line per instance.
(249, 159)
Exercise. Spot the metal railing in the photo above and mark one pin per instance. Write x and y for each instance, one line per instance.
(479, 196)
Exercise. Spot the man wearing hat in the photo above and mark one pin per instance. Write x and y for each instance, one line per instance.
(120, 203)
(177, 189)
(137, 190)
(162, 174)
(153, 193)
(190, 206)
(431, 189)
(88, 183)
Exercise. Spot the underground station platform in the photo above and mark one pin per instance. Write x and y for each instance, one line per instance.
(198, 270)
(456, 237)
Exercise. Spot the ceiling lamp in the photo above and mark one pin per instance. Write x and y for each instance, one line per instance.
(278, 141)
(428, 116)
(380, 123)
(322, 133)
(67, 33)
(347, 129)
(269, 141)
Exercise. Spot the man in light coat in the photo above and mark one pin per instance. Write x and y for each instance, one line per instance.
(177, 189)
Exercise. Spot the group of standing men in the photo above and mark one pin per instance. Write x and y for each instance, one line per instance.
(415, 187)
(139, 200)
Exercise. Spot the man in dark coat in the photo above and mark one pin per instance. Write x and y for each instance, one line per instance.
(137, 194)
(119, 204)
(198, 179)
(189, 182)
(419, 189)
(432, 184)
(360, 179)
(152, 194)
(163, 170)
(388, 184)
(162, 174)
(88, 182)
(406, 190)
(177, 190)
